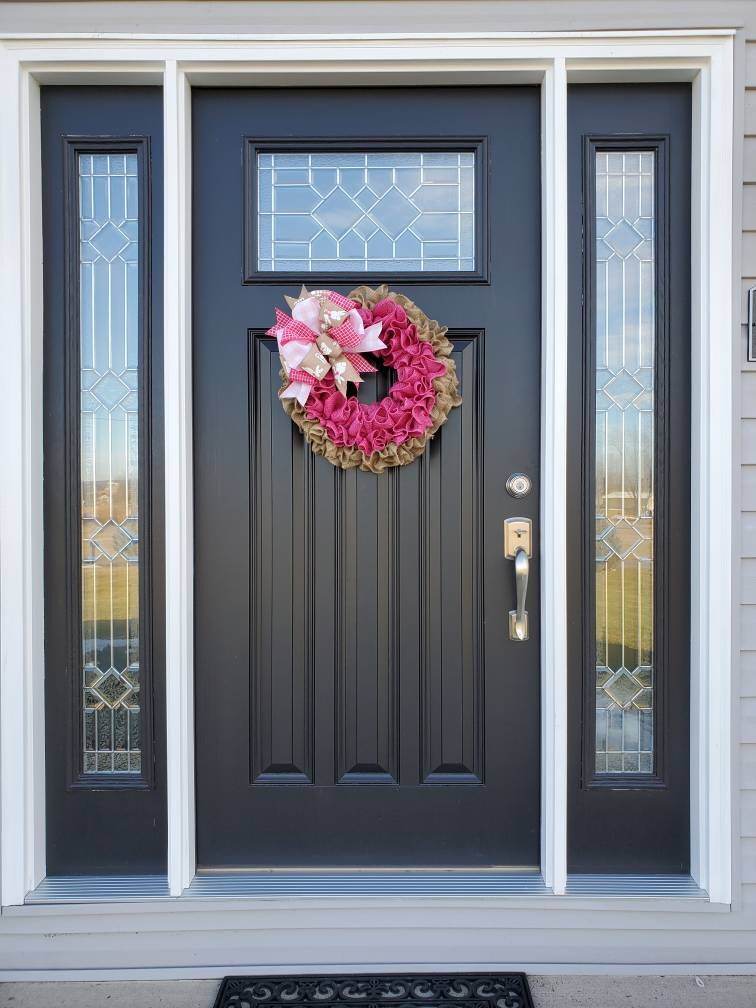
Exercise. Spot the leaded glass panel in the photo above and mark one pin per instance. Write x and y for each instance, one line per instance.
(624, 501)
(109, 458)
(351, 212)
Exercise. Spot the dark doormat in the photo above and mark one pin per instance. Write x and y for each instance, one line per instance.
(378, 990)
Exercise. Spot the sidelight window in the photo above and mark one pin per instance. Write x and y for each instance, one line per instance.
(110, 394)
(625, 350)
(103, 479)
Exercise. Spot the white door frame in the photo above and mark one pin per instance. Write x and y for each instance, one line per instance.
(551, 60)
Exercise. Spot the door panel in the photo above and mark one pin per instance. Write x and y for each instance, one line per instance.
(629, 505)
(359, 701)
(102, 162)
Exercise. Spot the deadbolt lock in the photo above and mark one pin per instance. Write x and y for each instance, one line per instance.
(518, 485)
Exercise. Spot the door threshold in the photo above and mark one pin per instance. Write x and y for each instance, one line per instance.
(351, 883)
(387, 882)
(633, 886)
(373, 870)
(99, 889)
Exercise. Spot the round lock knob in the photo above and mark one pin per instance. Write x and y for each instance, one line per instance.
(519, 485)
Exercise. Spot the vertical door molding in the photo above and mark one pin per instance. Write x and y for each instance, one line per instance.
(179, 520)
(712, 484)
(553, 541)
(22, 748)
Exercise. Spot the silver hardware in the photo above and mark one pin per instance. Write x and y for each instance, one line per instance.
(518, 547)
(517, 534)
(518, 618)
(519, 485)
(751, 327)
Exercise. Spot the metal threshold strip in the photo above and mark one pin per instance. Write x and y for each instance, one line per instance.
(420, 884)
(388, 884)
(100, 889)
(635, 886)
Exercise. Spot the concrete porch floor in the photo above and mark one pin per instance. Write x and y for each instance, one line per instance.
(548, 992)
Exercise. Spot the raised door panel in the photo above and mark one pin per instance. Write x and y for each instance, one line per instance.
(281, 590)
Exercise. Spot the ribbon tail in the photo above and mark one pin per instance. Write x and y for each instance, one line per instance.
(296, 390)
(370, 338)
(344, 372)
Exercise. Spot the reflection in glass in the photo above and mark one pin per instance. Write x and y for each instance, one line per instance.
(625, 361)
(359, 212)
(109, 330)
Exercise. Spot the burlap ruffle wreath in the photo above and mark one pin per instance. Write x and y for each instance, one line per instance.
(446, 387)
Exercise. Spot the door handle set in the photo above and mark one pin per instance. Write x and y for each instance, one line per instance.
(518, 535)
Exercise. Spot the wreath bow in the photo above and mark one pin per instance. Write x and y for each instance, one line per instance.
(324, 333)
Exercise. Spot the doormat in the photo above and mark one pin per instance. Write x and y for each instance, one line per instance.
(380, 990)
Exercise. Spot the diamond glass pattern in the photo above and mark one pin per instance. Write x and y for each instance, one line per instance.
(109, 241)
(623, 239)
(352, 213)
(624, 550)
(109, 308)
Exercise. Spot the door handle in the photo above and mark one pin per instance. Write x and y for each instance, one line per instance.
(518, 628)
(518, 547)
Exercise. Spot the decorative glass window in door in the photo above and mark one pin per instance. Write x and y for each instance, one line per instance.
(109, 310)
(350, 212)
(625, 351)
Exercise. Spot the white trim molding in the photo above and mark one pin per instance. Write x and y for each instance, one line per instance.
(22, 745)
(713, 347)
(553, 536)
(548, 60)
(179, 554)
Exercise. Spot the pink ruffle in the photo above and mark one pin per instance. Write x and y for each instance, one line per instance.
(405, 412)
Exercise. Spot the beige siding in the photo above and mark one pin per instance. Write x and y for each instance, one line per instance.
(749, 860)
(745, 283)
(747, 720)
(749, 205)
(750, 112)
(749, 251)
(748, 673)
(748, 629)
(748, 814)
(748, 582)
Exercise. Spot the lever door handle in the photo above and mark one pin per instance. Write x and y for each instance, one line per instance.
(518, 628)
(517, 547)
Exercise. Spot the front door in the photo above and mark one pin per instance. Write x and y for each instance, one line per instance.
(359, 700)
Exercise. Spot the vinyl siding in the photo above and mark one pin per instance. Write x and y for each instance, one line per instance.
(747, 718)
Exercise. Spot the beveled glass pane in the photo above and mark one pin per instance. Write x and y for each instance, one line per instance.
(352, 212)
(624, 492)
(109, 453)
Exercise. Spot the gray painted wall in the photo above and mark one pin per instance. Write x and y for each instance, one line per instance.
(573, 937)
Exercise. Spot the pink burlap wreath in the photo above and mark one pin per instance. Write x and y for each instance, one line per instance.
(395, 430)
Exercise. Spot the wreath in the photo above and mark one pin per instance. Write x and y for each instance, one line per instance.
(322, 346)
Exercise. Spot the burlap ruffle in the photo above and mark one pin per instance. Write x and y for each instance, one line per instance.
(446, 388)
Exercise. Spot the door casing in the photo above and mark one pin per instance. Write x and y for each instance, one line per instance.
(705, 57)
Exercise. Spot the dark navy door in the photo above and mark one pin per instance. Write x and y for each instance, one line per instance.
(358, 698)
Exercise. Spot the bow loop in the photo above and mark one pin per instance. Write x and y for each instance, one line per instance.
(346, 335)
(325, 332)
